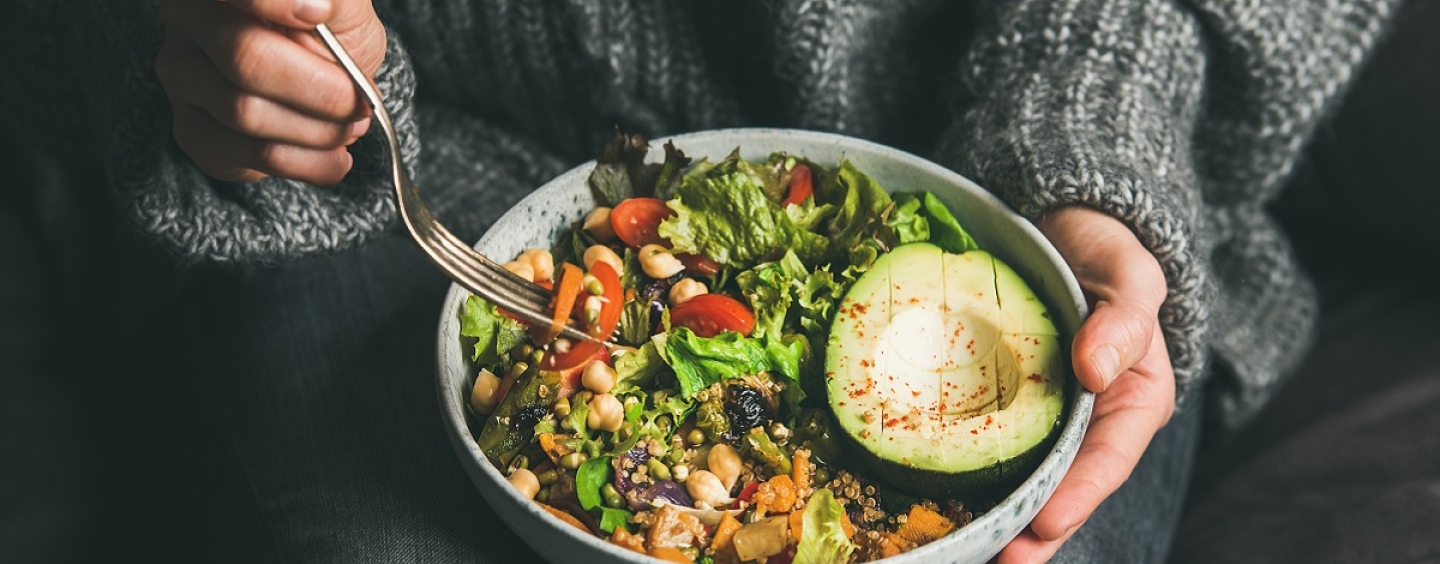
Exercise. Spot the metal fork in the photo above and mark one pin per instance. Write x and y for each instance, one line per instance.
(459, 261)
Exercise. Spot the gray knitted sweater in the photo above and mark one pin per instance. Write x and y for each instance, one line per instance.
(1180, 117)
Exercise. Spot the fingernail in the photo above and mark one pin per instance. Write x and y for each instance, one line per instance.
(312, 11)
(1107, 362)
(359, 127)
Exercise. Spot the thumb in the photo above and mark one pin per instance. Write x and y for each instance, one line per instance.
(297, 14)
(1124, 285)
(1115, 337)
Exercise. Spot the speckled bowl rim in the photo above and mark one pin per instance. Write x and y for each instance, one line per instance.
(988, 222)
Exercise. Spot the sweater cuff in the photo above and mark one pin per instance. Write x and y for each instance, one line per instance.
(271, 220)
(1095, 127)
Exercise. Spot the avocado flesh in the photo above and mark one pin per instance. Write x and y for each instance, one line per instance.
(945, 371)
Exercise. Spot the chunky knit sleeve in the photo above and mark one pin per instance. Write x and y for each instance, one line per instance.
(270, 220)
(1181, 120)
(1093, 102)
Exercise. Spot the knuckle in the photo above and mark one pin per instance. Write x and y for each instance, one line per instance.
(247, 114)
(1128, 326)
(250, 56)
(269, 156)
(334, 98)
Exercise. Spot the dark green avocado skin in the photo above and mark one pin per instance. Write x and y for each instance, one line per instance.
(982, 486)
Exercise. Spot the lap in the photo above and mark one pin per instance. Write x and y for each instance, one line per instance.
(1344, 464)
(1137, 523)
(321, 381)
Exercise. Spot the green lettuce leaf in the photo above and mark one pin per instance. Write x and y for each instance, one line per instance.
(637, 369)
(611, 519)
(863, 204)
(908, 221)
(773, 287)
(729, 218)
(823, 539)
(699, 362)
(494, 333)
(592, 475)
(945, 230)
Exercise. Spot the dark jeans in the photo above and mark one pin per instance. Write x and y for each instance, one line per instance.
(321, 382)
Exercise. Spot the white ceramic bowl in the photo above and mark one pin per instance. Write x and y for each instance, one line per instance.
(539, 219)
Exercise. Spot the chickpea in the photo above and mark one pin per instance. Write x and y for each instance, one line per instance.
(724, 462)
(521, 269)
(541, 260)
(606, 413)
(483, 397)
(706, 487)
(658, 263)
(597, 222)
(602, 253)
(525, 482)
(681, 472)
(598, 377)
(685, 289)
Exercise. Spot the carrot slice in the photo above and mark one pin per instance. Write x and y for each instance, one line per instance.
(564, 301)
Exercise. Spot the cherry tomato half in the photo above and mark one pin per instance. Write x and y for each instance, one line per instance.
(801, 185)
(637, 221)
(611, 306)
(709, 315)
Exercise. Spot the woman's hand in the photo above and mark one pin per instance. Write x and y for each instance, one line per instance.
(1119, 353)
(254, 93)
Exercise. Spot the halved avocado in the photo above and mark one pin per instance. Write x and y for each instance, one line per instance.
(946, 373)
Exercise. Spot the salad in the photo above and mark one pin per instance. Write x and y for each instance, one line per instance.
(704, 433)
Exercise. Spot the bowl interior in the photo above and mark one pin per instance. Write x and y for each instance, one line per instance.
(541, 217)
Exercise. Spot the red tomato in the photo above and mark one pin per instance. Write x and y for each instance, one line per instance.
(748, 491)
(637, 221)
(570, 377)
(698, 265)
(611, 306)
(801, 186)
(709, 315)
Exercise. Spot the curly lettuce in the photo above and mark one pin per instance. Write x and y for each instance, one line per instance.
(725, 214)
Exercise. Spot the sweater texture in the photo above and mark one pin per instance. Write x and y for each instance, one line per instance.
(1183, 119)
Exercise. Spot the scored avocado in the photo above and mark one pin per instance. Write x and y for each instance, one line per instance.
(945, 373)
